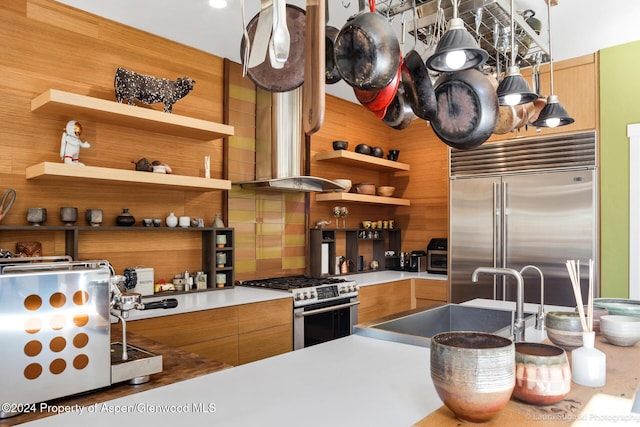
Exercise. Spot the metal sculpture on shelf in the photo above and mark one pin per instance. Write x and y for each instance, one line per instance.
(150, 90)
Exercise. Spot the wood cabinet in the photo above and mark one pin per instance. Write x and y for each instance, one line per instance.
(218, 256)
(233, 335)
(385, 299)
(209, 333)
(430, 292)
(265, 329)
(362, 161)
(323, 248)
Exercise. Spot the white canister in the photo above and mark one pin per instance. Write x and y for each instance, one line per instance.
(184, 221)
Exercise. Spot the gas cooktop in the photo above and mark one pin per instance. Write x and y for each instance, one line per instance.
(291, 282)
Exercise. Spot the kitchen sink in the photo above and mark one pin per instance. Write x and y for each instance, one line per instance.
(418, 326)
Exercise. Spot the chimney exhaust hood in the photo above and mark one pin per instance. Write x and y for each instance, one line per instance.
(280, 146)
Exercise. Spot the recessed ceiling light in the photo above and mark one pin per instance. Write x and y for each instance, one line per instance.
(218, 4)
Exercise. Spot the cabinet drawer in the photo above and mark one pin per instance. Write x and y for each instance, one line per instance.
(223, 349)
(262, 315)
(432, 289)
(188, 328)
(258, 345)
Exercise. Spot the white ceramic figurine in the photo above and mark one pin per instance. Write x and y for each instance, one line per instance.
(71, 143)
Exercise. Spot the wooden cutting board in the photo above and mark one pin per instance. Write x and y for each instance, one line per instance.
(313, 97)
(623, 378)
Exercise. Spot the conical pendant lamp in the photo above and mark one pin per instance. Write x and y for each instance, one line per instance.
(553, 114)
(514, 89)
(457, 50)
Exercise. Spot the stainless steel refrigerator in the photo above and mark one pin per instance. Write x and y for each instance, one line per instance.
(530, 201)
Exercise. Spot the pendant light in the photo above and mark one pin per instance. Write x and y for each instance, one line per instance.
(514, 89)
(553, 114)
(457, 50)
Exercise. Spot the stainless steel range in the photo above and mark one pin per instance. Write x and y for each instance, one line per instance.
(323, 308)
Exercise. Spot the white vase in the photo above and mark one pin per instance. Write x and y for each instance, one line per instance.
(171, 220)
(218, 223)
(588, 364)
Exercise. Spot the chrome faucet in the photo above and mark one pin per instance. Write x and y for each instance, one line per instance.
(518, 323)
(540, 315)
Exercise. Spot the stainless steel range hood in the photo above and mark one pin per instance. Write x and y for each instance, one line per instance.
(280, 146)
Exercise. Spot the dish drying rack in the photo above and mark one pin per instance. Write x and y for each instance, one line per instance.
(489, 21)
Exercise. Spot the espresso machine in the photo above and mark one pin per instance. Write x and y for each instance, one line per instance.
(55, 330)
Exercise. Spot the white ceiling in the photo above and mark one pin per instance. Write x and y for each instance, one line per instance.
(578, 27)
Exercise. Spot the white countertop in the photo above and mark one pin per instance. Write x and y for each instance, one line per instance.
(196, 301)
(352, 381)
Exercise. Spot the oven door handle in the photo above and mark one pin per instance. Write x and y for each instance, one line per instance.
(326, 309)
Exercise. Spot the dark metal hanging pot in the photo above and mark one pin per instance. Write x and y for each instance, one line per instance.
(466, 109)
(399, 114)
(367, 52)
(418, 89)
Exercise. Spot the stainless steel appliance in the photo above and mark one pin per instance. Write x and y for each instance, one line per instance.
(55, 331)
(520, 202)
(323, 308)
(417, 261)
(437, 256)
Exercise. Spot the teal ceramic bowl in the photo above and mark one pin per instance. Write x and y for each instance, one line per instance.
(619, 306)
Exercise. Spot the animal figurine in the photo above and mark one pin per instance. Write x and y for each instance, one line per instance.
(70, 143)
(322, 223)
(150, 90)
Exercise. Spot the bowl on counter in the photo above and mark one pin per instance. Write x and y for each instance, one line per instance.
(620, 330)
(473, 373)
(340, 145)
(364, 188)
(386, 190)
(564, 329)
(543, 373)
(619, 306)
(598, 312)
(346, 183)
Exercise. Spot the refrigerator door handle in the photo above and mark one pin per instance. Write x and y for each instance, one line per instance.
(503, 236)
(496, 233)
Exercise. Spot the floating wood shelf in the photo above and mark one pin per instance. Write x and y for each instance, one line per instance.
(371, 162)
(362, 198)
(72, 105)
(50, 170)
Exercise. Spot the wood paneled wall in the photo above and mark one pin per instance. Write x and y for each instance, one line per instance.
(48, 45)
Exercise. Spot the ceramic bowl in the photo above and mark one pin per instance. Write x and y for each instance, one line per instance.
(346, 183)
(622, 307)
(364, 188)
(363, 149)
(386, 190)
(543, 373)
(620, 330)
(340, 145)
(598, 312)
(366, 224)
(473, 373)
(393, 155)
(564, 329)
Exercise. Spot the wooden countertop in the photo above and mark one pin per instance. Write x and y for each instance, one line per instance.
(623, 375)
(177, 365)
